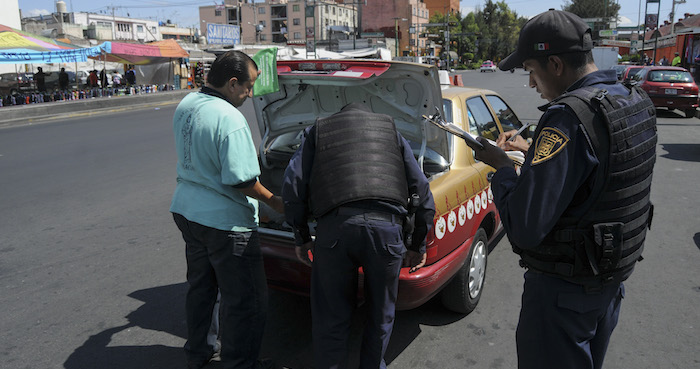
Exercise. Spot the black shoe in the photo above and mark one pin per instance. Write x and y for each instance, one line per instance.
(266, 363)
(197, 363)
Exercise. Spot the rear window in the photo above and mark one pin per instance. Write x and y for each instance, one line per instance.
(669, 76)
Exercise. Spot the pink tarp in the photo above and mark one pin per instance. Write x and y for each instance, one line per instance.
(140, 54)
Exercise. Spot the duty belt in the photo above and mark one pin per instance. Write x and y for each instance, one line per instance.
(369, 215)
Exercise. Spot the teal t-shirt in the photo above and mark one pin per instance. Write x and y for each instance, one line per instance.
(215, 151)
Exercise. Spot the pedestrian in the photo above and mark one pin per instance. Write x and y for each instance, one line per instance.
(353, 173)
(215, 206)
(40, 79)
(63, 79)
(663, 61)
(676, 60)
(116, 79)
(93, 79)
(578, 212)
(131, 76)
(103, 79)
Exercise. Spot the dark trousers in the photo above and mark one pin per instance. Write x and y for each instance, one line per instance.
(562, 326)
(342, 245)
(231, 262)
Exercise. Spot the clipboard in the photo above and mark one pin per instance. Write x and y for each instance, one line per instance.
(455, 130)
(517, 156)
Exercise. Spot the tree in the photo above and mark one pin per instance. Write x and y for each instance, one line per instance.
(499, 30)
(605, 9)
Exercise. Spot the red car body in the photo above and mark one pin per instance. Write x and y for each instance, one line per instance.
(670, 87)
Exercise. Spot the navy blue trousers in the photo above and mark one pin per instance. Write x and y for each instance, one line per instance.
(342, 245)
(231, 262)
(562, 326)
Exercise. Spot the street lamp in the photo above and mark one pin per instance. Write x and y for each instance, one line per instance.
(396, 32)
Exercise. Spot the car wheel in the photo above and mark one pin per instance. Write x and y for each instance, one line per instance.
(463, 292)
(690, 113)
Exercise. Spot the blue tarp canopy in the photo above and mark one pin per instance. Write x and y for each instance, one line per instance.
(19, 47)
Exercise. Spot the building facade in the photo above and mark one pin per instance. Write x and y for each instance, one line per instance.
(102, 27)
(283, 21)
(403, 20)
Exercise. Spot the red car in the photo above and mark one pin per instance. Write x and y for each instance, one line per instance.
(630, 72)
(670, 87)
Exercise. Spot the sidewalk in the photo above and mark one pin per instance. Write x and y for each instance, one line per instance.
(23, 114)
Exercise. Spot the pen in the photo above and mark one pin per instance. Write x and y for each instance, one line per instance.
(523, 128)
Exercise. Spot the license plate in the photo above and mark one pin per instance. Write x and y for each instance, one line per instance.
(671, 91)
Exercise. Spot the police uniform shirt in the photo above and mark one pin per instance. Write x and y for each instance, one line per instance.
(295, 192)
(557, 174)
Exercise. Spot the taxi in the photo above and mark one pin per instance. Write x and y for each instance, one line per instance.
(466, 219)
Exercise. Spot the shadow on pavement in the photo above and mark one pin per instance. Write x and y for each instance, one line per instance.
(163, 310)
(287, 337)
(682, 152)
(670, 113)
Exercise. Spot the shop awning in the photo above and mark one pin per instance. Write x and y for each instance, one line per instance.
(140, 54)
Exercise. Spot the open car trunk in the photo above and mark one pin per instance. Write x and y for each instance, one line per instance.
(318, 88)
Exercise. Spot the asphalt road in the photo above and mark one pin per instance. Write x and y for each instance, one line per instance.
(93, 276)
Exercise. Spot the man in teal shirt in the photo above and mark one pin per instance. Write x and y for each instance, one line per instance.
(215, 206)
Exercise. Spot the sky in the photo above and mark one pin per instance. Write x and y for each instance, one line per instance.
(185, 13)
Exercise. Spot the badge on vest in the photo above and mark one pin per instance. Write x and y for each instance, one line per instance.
(549, 143)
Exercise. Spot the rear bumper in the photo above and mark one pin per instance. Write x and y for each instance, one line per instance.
(675, 102)
(286, 273)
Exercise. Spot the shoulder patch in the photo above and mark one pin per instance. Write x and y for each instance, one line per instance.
(549, 143)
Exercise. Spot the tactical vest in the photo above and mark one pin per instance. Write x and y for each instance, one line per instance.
(357, 158)
(604, 245)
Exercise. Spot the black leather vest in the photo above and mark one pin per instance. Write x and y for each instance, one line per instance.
(608, 240)
(357, 158)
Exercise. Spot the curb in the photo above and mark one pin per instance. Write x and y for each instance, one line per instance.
(13, 115)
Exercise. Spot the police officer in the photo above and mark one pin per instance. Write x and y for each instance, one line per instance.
(578, 213)
(353, 173)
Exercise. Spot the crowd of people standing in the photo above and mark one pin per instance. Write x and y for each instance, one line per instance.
(70, 87)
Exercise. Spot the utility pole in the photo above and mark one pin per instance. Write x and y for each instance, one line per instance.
(396, 33)
(673, 15)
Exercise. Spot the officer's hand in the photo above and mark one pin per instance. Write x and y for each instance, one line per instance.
(414, 260)
(303, 252)
(517, 144)
(492, 155)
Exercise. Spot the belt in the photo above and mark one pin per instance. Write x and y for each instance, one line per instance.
(370, 215)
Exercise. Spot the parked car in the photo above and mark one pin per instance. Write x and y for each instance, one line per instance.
(51, 80)
(13, 83)
(630, 72)
(466, 219)
(488, 66)
(619, 70)
(670, 87)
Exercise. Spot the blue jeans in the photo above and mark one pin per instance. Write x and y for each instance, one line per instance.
(231, 262)
(342, 245)
(562, 326)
